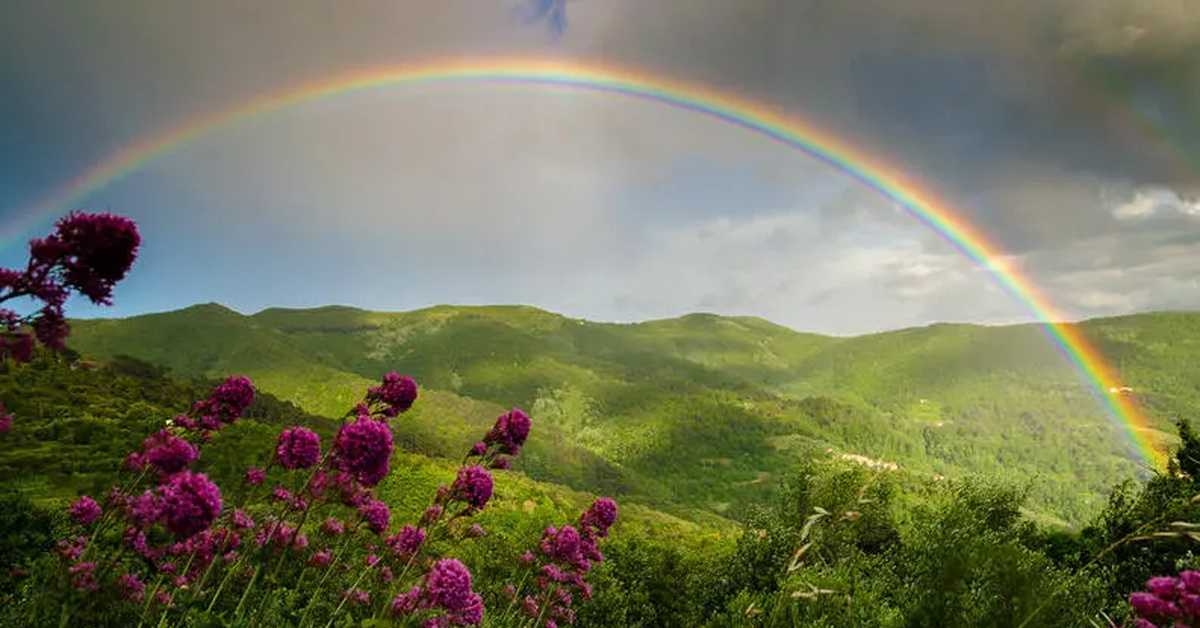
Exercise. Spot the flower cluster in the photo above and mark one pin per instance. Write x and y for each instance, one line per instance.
(88, 254)
(363, 449)
(505, 438)
(567, 554)
(445, 596)
(396, 394)
(170, 540)
(1169, 602)
(298, 448)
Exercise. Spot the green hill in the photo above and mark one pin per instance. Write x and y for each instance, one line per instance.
(702, 412)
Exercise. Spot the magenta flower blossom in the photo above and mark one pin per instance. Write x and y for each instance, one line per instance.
(5, 418)
(281, 494)
(298, 448)
(446, 591)
(396, 392)
(509, 432)
(406, 542)
(332, 527)
(84, 511)
(132, 588)
(241, 520)
(321, 559)
(1169, 601)
(479, 449)
(473, 486)
(144, 510)
(169, 453)
(83, 576)
(255, 476)
(376, 514)
(364, 449)
(99, 249)
(190, 504)
(232, 397)
(601, 516)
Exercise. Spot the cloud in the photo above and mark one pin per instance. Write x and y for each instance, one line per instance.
(1065, 130)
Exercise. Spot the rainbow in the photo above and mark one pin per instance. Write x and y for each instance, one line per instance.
(919, 202)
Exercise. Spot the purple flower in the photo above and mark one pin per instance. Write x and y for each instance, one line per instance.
(255, 476)
(473, 486)
(602, 515)
(232, 397)
(241, 520)
(1190, 580)
(1151, 606)
(5, 420)
(479, 449)
(509, 432)
(321, 559)
(398, 393)
(1163, 587)
(364, 449)
(144, 510)
(406, 542)
(376, 514)
(97, 250)
(333, 527)
(83, 576)
(169, 453)
(475, 530)
(298, 448)
(84, 511)
(281, 494)
(563, 545)
(448, 585)
(132, 588)
(190, 503)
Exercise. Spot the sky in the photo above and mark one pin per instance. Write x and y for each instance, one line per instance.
(1064, 130)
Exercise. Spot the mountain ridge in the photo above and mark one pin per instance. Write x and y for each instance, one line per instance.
(703, 410)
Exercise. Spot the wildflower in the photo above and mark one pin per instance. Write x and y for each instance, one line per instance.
(475, 530)
(332, 527)
(396, 392)
(479, 449)
(83, 576)
(144, 510)
(1190, 580)
(190, 503)
(241, 520)
(298, 448)
(169, 453)
(231, 398)
(71, 550)
(406, 542)
(357, 596)
(364, 449)
(133, 588)
(431, 515)
(98, 250)
(602, 515)
(376, 514)
(281, 494)
(473, 486)
(5, 418)
(321, 559)
(509, 432)
(255, 476)
(445, 589)
(84, 511)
